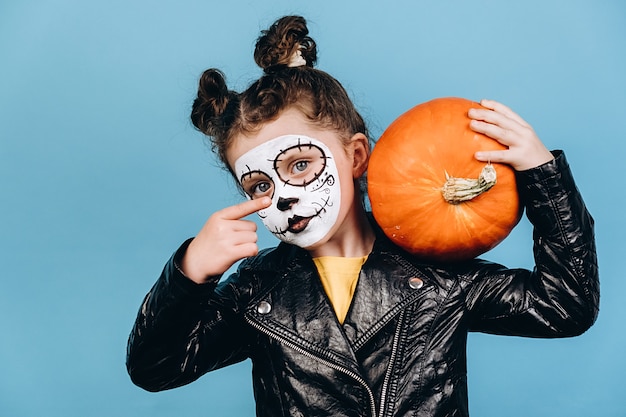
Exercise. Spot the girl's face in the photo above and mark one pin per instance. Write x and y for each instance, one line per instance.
(306, 171)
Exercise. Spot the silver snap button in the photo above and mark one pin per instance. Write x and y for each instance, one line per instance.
(263, 307)
(416, 283)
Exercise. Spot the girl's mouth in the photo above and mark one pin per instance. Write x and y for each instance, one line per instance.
(297, 223)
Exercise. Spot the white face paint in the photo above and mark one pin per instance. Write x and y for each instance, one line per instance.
(300, 175)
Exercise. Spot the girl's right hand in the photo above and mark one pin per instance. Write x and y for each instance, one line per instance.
(224, 239)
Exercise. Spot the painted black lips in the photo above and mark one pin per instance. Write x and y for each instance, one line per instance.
(298, 223)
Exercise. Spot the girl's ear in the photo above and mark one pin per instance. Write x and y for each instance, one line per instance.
(360, 148)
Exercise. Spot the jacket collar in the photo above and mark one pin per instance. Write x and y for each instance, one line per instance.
(295, 308)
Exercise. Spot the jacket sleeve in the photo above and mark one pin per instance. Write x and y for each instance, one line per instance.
(560, 296)
(184, 330)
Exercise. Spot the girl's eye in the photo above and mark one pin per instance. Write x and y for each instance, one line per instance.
(257, 184)
(300, 166)
(261, 188)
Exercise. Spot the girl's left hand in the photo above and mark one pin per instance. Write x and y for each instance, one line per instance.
(525, 149)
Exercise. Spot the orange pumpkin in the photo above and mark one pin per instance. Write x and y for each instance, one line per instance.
(421, 157)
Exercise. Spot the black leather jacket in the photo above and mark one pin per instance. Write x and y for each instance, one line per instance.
(401, 350)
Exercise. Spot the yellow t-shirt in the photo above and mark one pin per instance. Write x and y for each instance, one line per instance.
(339, 277)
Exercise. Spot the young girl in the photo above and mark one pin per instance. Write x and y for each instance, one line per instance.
(337, 320)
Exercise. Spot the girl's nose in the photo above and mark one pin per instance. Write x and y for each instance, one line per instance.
(286, 203)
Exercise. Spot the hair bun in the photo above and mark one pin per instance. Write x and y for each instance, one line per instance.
(211, 108)
(277, 45)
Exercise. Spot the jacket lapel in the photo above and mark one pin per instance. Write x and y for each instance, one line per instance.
(296, 310)
(387, 284)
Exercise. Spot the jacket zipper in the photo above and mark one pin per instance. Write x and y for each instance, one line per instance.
(326, 362)
(392, 359)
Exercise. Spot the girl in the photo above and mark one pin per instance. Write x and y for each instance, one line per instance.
(336, 319)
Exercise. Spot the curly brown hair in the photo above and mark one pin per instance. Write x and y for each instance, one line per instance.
(222, 114)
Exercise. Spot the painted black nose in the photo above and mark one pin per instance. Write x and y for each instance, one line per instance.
(286, 203)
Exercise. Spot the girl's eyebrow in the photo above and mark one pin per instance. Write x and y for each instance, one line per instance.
(251, 173)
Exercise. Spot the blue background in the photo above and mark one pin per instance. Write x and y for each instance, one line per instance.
(102, 175)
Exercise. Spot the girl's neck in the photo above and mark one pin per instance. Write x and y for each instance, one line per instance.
(355, 237)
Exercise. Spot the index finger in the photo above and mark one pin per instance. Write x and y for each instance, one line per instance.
(244, 209)
(503, 109)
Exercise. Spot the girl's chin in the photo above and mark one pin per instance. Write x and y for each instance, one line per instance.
(319, 243)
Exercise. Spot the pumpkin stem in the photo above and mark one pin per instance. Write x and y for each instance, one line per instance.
(458, 190)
